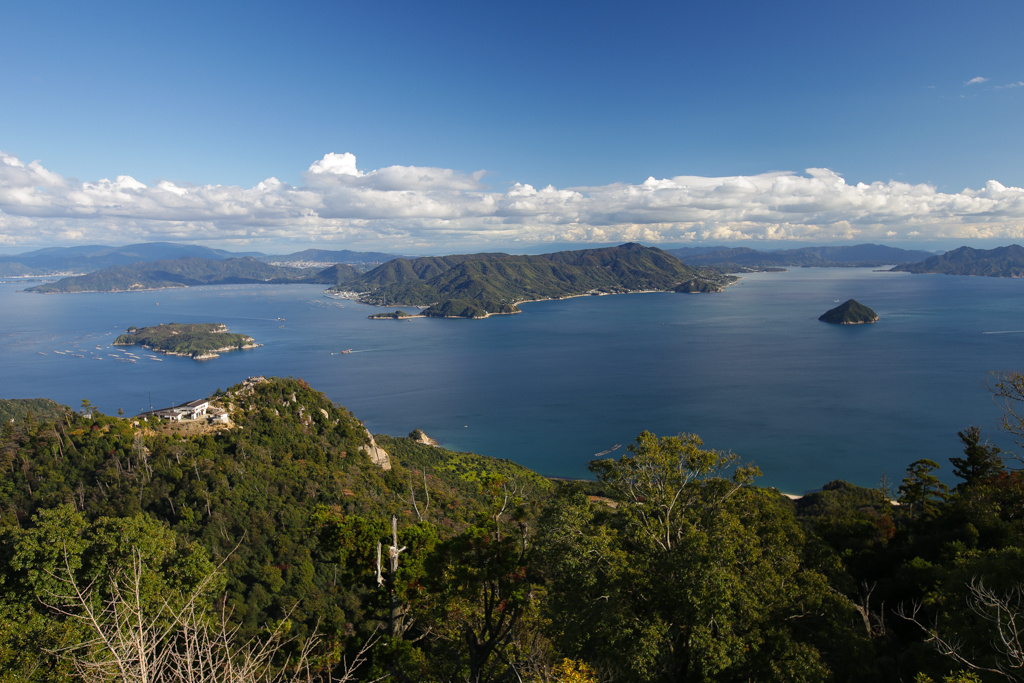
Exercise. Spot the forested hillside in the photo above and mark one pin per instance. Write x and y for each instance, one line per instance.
(197, 340)
(39, 408)
(998, 262)
(740, 259)
(476, 284)
(182, 272)
(388, 558)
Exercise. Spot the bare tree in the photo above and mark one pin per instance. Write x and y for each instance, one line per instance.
(397, 622)
(874, 622)
(133, 638)
(420, 514)
(1003, 611)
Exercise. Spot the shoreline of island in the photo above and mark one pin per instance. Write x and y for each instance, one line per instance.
(381, 316)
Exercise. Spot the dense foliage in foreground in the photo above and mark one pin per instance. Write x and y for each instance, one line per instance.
(671, 566)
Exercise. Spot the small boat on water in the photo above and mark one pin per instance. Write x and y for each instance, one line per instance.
(613, 448)
(348, 351)
(41, 353)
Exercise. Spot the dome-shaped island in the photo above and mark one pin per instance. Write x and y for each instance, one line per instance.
(850, 313)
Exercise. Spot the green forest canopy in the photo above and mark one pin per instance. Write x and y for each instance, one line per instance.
(671, 565)
(476, 284)
(185, 339)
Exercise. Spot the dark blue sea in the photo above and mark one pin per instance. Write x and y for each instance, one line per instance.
(749, 370)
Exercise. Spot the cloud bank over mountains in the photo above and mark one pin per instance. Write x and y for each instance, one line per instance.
(412, 207)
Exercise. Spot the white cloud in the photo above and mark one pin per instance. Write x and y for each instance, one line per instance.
(1018, 84)
(976, 80)
(445, 210)
(336, 164)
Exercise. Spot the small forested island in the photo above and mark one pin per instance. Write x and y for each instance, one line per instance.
(850, 313)
(392, 315)
(199, 341)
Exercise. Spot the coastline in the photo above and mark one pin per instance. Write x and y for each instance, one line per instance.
(157, 289)
(206, 355)
(515, 303)
(112, 291)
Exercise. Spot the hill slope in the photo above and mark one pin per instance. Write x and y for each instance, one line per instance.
(252, 493)
(299, 258)
(197, 340)
(998, 262)
(477, 284)
(16, 409)
(95, 257)
(743, 258)
(852, 312)
(87, 259)
(183, 272)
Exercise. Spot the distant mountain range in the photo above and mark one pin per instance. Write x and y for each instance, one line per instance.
(475, 285)
(740, 259)
(324, 256)
(998, 262)
(192, 271)
(88, 259)
(468, 285)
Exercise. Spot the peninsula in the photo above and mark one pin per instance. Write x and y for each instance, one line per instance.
(198, 341)
(999, 262)
(850, 313)
(482, 285)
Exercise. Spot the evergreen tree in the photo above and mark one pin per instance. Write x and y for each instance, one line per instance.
(983, 459)
(921, 489)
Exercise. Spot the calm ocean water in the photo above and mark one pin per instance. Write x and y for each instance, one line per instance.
(751, 370)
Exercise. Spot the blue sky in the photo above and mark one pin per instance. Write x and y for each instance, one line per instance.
(572, 95)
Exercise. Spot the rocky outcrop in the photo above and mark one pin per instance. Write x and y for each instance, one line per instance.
(378, 456)
(419, 436)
